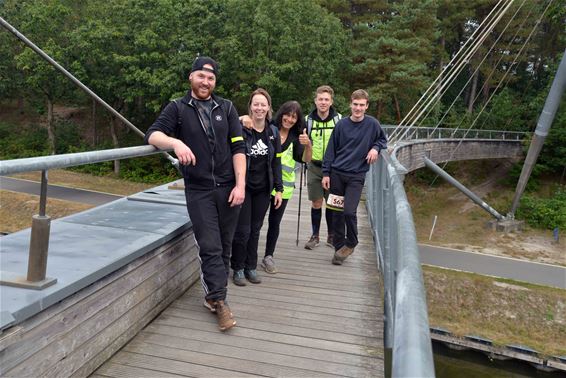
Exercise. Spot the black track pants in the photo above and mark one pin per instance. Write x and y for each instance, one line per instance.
(346, 221)
(214, 223)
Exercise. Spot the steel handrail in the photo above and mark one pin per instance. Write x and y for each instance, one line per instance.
(44, 163)
(452, 133)
(36, 278)
(406, 324)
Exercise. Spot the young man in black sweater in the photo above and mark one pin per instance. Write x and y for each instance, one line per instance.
(354, 145)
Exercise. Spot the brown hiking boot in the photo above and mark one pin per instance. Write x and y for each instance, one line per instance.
(341, 255)
(336, 261)
(225, 319)
(209, 304)
(314, 241)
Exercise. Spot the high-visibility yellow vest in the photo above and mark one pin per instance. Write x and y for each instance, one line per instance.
(320, 132)
(287, 172)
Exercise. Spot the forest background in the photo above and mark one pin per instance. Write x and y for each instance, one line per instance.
(136, 54)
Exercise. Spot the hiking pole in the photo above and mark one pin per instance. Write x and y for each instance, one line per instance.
(70, 76)
(303, 167)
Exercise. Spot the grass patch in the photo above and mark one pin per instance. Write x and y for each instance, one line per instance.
(85, 181)
(505, 311)
(16, 209)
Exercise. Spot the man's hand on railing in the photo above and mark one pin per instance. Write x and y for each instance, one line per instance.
(372, 156)
(184, 153)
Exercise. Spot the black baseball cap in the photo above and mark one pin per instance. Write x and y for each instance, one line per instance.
(199, 63)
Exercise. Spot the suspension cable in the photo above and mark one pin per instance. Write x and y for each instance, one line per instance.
(458, 69)
(449, 66)
(453, 77)
(477, 69)
(502, 80)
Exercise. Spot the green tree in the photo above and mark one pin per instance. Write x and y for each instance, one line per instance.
(391, 54)
(289, 47)
(47, 24)
(136, 54)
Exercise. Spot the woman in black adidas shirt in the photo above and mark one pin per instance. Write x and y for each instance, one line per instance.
(263, 148)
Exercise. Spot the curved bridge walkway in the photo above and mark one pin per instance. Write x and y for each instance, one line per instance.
(311, 319)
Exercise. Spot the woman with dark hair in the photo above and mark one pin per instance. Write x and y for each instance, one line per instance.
(296, 147)
(263, 176)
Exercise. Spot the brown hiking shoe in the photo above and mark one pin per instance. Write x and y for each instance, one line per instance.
(341, 255)
(209, 304)
(225, 319)
(336, 260)
(314, 241)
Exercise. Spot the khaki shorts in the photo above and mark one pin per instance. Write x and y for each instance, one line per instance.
(314, 183)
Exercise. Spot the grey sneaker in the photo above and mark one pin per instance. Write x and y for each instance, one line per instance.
(252, 276)
(330, 240)
(239, 278)
(314, 241)
(268, 265)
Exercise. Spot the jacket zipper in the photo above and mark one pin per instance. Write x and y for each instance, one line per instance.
(205, 134)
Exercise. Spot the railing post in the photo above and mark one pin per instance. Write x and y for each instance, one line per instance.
(38, 249)
(39, 241)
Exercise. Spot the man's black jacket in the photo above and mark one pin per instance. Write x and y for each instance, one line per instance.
(180, 119)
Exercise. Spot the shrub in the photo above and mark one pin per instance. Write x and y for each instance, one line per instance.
(17, 142)
(545, 213)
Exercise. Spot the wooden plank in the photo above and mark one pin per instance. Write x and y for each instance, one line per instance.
(301, 319)
(281, 327)
(257, 334)
(45, 318)
(228, 363)
(317, 356)
(250, 301)
(310, 319)
(131, 330)
(243, 354)
(58, 355)
(166, 365)
(55, 324)
(126, 371)
(152, 304)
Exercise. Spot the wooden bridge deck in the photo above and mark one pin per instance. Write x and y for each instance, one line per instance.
(311, 319)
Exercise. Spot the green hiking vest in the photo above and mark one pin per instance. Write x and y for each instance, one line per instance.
(320, 132)
(288, 173)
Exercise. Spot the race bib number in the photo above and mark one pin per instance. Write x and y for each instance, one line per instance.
(335, 201)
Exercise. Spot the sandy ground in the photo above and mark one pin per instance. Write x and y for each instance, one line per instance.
(468, 230)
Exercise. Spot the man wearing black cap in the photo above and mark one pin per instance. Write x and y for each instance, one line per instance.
(205, 133)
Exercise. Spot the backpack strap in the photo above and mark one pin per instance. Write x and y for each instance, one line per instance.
(309, 125)
(310, 121)
(180, 107)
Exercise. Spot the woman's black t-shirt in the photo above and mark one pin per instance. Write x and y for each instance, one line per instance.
(258, 179)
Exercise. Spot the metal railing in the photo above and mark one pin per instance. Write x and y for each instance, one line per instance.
(405, 311)
(39, 242)
(448, 133)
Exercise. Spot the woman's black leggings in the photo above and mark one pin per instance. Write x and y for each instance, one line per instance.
(275, 216)
(246, 237)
